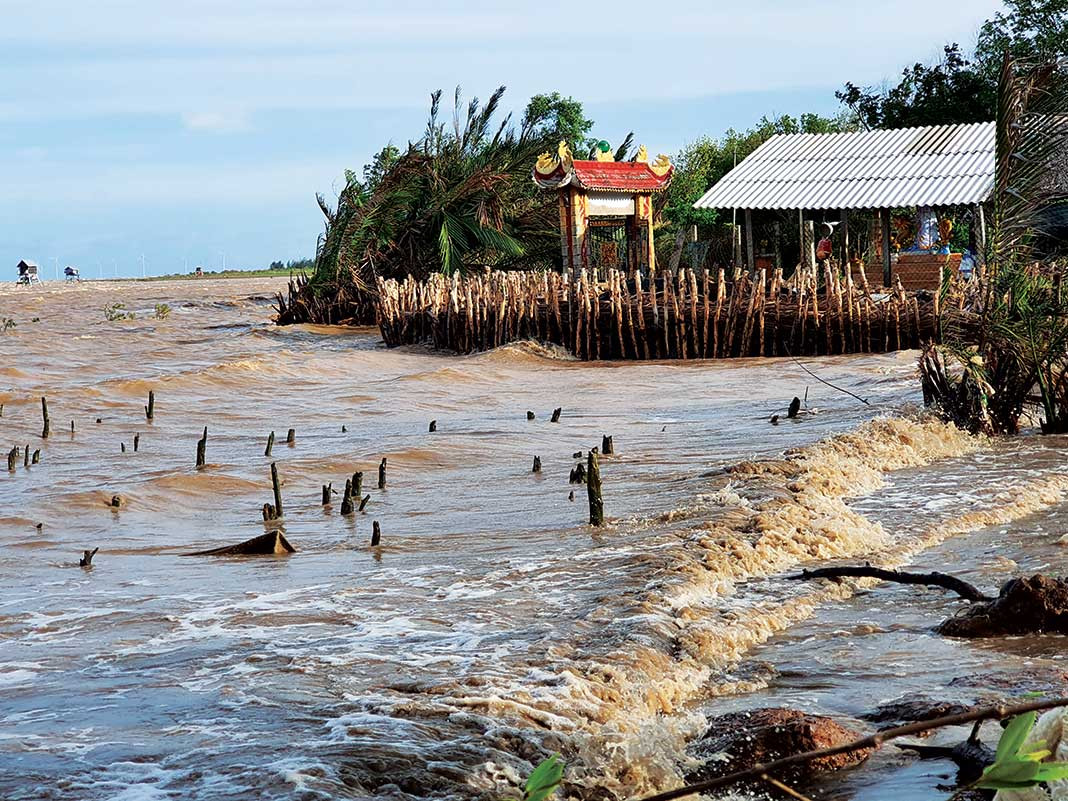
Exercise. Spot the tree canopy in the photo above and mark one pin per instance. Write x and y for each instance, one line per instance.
(956, 88)
(557, 117)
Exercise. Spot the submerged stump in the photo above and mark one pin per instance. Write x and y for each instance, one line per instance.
(271, 543)
(593, 489)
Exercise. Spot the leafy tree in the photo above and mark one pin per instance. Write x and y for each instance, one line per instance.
(957, 89)
(954, 90)
(1035, 30)
(556, 117)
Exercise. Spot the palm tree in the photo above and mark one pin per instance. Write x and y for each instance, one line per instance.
(1011, 348)
(460, 198)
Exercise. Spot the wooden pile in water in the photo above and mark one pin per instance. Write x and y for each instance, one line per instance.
(688, 316)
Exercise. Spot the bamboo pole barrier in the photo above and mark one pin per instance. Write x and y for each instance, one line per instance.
(687, 316)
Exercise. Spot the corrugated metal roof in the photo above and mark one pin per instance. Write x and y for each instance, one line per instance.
(939, 165)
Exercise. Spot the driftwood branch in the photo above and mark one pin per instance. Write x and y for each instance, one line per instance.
(968, 592)
(1000, 712)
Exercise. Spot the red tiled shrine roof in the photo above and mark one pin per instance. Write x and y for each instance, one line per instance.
(619, 176)
(606, 176)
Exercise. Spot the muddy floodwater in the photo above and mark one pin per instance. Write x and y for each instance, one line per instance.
(492, 626)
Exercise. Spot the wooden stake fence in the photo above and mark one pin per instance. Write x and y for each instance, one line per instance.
(689, 316)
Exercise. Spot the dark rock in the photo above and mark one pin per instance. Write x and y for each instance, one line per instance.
(1034, 605)
(914, 708)
(759, 736)
(1049, 681)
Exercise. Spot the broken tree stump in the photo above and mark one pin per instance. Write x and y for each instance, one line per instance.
(382, 474)
(122, 447)
(593, 489)
(202, 446)
(578, 474)
(26, 456)
(346, 499)
(376, 533)
(327, 489)
(433, 426)
(72, 426)
(116, 501)
(36, 456)
(12, 457)
(556, 415)
(607, 446)
(270, 444)
(795, 407)
(271, 543)
(537, 465)
(357, 484)
(291, 436)
(150, 409)
(363, 503)
(530, 415)
(47, 427)
(278, 513)
(137, 442)
(87, 558)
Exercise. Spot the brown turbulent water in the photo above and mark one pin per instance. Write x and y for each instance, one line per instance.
(493, 626)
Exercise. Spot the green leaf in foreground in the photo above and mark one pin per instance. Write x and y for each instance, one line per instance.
(545, 779)
(1014, 768)
(1014, 735)
(1006, 775)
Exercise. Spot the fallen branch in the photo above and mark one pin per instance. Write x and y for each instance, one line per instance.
(1000, 712)
(968, 592)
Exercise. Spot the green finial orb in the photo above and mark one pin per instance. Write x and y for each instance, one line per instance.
(603, 146)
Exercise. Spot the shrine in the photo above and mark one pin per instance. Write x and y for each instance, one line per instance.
(606, 208)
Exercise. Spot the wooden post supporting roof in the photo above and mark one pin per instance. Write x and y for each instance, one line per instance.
(845, 241)
(884, 216)
(808, 244)
(750, 257)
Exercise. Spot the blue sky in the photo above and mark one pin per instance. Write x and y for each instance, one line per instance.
(195, 132)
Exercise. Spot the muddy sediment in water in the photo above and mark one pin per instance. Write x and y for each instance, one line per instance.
(493, 626)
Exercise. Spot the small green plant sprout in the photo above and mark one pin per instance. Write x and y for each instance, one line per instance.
(1014, 767)
(161, 311)
(113, 312)
(544, 780)
(6, 324)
